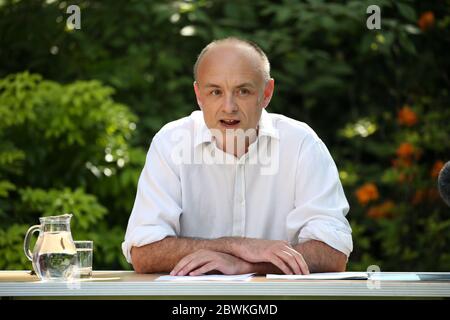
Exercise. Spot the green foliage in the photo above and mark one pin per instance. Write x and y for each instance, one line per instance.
(69, 139)
(407, 224)
(11, 247)
(59, 142)
(85, 207)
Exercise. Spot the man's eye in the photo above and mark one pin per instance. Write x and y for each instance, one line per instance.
(215, 92)
(244, 91)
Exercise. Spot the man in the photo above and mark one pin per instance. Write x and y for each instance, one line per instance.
(195, 217)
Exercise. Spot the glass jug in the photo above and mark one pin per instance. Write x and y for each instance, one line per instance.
(54, 255)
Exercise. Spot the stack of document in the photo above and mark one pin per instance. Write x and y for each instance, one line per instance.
(322, 276)
(375, 276)
(210, 277)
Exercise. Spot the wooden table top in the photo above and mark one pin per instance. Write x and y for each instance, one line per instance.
(130, 284)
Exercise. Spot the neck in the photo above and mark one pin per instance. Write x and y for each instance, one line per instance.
(237, 143)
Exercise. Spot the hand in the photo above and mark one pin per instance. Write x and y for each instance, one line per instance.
(203, 261)
(280, 253)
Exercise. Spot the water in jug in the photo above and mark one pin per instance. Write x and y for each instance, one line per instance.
(54, 255)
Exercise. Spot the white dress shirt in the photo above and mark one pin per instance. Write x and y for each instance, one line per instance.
(286, 187)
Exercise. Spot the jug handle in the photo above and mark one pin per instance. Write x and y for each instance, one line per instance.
(26, 243)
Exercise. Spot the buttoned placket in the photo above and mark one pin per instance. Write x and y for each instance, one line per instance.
(239, 196)
(239, 210)
(238, 228)
(239, 199)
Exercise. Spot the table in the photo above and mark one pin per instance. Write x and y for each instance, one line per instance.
(128, 284)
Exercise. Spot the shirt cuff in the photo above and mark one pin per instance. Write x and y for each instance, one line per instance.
(337, 237)
(143, 235)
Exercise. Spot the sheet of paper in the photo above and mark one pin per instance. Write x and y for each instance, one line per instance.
(394, 276)
(321, 276)
(376, 276)
(434, 276)
(209, 277)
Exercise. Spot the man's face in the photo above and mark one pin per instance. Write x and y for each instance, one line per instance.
(230, 88)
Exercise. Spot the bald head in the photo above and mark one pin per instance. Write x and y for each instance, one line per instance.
(243, 48)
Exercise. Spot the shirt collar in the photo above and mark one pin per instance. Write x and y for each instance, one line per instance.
(266, 126)
(203, 134)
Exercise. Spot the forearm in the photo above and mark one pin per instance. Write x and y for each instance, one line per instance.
(163, 255)
(320, 257)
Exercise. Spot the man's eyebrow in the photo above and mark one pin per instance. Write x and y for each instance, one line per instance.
(246, 84)
(211, 85)
(242, 85)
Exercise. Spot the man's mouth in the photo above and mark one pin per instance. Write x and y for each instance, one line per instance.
(230, 123)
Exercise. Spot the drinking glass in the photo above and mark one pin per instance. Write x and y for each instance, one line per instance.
(85, 250)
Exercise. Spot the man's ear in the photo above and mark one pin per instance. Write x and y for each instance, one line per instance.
(197, 95)
(268, 92)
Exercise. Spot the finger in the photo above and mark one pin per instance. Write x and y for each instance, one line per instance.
(204, 269)
(194, 264)
(280, 264)
(300, 260)
(303, 264)
(290, 260)
(182, 263)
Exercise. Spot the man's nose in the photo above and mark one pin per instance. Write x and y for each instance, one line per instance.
(230, 105)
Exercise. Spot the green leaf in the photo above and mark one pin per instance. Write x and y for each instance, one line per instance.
(407, 11)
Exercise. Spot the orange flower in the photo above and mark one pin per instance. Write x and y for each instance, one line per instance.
(401, 163)
(366, 193)
(403, 177)
(430, 195)
(426, 20)
(437, 167)
(405, 150)
(406, 116)
(419, 196)
(433, 195)
(383, 210)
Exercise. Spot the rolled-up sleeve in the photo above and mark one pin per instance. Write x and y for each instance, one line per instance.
(320, 203)
(157, 207)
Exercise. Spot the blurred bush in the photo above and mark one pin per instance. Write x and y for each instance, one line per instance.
(378, 98)
(58, 143)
